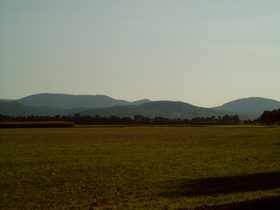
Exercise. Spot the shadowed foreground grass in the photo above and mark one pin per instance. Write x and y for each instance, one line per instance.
(271, 203)
(139, 167)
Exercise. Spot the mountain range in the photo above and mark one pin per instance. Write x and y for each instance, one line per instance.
(65, 104)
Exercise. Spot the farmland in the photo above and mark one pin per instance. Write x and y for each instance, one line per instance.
(138, 167)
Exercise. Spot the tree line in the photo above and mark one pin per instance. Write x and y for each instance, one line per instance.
(270, 117)
(266, 118)
(115, 120)
(48, 124)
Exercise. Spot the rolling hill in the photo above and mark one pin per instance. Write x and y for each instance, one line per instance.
(63, 104)
(174, 109)
(16, 109)
(252, 107)
(167, 109)
(66, 101)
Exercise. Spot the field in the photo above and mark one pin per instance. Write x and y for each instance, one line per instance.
(139, 167)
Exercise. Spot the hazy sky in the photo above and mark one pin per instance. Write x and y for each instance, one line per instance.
(197, 51)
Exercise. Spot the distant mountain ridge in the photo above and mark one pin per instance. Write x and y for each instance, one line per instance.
(67, 101)
(253, 106)
(65, 104)
(15, 109)
(167, 109)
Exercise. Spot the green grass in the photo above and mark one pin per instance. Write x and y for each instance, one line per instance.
(137, 167)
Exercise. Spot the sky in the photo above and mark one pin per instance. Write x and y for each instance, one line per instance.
(202, 52)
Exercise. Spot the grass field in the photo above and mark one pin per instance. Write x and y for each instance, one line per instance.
(138, 167)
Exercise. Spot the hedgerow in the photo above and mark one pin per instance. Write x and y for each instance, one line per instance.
(36, 124)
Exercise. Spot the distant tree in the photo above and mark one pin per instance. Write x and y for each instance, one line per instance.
(5, 118)
(161, 121)
(235, 119)
(138, 119)
(270, 117)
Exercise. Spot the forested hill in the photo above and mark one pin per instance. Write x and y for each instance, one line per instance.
(16, 109)
(167, 109)
(66, 101)
(253, 106)
(63, 104)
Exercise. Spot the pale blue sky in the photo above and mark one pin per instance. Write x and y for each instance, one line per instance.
(197, 51)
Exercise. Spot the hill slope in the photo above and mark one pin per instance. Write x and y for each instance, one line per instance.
(173, 109)
(16, 109)
(66, 101)
(63, 104)
(253, 106)
(167, 109)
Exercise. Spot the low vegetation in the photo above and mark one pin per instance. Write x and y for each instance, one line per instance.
(49, 124)
(115, 120)
(270, 117)
(139, 167)
(266, 118)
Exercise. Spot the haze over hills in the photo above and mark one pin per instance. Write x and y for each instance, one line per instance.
(167, 109)
(65, 104)
(66, 101)
(15, 109)
(253, 106)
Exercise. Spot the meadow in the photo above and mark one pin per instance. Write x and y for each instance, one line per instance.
(138, 167)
